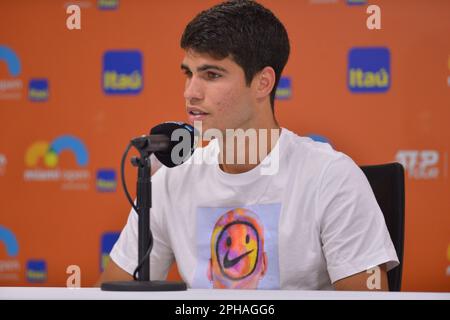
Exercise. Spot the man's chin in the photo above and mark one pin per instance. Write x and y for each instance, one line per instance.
(209, 130)
(204, 125)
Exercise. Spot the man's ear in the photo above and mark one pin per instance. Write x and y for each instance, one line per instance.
(263, 82)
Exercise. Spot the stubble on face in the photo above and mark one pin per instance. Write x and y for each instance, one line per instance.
(227, 99)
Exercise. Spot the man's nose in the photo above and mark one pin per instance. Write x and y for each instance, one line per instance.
(193, 90)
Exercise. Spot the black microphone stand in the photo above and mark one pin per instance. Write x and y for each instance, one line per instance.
(145, 238)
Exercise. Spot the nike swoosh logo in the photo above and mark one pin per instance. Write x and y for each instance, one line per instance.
(230, 263)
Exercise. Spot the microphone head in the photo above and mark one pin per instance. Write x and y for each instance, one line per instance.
(183, 140)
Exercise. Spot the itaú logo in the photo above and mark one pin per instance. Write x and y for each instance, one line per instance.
(42, 158)
(122, 72)
(284, 89)
(36, 271)
(38, 90)
(107, 4)
(369, 70)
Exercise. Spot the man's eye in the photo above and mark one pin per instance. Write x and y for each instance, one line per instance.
(213, 75)
(188, 73)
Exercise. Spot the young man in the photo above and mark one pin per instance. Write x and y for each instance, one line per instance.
(313, 223)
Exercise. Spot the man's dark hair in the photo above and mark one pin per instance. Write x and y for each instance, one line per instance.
(244, 30)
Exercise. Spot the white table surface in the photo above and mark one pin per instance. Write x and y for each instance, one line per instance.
(44, 293)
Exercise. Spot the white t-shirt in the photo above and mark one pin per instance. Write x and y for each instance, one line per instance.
(313, 222)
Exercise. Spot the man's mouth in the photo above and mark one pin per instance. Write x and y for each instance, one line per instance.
(196, 115)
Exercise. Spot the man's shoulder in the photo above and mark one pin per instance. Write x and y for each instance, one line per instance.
(315, 159)
(308, 149)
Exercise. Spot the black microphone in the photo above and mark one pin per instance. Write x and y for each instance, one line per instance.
(171, 142)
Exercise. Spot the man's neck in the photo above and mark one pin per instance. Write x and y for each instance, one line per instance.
(266, 138)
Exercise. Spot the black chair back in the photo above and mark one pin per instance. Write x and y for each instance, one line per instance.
(388, 185)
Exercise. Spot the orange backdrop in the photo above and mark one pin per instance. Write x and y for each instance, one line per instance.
(63, 128)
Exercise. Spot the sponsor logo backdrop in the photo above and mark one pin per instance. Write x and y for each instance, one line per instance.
(71, 99)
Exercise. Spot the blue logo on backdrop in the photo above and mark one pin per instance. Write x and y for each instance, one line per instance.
(107, 4)
(356, 2)
(10, 241)
(284, 89)
(107, 243)
(122, 72)
(11, 59)
(369, 70)
(36, 271)
(38, 90)
(106, 180)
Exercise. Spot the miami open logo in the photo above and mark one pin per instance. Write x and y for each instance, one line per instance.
(9, 267)
(43, 160)
(11, 86)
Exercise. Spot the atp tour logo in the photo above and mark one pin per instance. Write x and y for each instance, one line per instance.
(38, 90)
(421, 164)
(9, 267)
(107, 4)
(107, 243)
(11, 87)
(284, 90)
(122, 72)
(45, 154)
(36, 271)
(369, 70)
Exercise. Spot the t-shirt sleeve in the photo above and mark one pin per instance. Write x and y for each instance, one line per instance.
(352, 227)
(125, 250)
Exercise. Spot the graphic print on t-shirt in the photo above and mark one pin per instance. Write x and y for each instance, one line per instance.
(237, 247)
